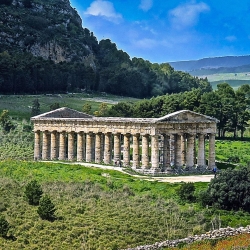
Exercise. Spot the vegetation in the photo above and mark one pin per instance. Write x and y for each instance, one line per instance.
(33, 192)
(230, 107)
(230, 190)
(81, 64)
(4, 227)
(91, 214)
(186, 192)
(46, 208)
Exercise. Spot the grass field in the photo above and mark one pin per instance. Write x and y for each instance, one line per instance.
(19, 106)
(234, 79)
(99, 209)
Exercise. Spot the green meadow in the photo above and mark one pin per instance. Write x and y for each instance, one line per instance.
(100, 209)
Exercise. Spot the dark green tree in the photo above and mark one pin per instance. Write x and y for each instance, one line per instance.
(46, 209)
(33, 192)
(5, 121)
(35, 109)
(230, 190)
(54, 106)
(4, 226)
(186, 192)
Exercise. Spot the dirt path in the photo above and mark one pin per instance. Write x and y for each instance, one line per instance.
(172, 179)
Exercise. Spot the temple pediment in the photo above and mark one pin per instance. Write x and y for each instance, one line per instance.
(63, 113)
(186, 116)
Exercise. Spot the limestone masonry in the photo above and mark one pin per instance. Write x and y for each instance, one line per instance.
(157, 144)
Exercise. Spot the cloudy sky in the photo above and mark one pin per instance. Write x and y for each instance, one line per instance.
(170, 30)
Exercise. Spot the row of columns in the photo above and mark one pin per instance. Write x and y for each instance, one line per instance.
(171, 150)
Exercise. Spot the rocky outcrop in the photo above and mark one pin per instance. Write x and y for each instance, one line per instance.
(215, 234)
(48, 29)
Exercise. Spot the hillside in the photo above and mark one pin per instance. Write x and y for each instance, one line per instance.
(45, 49)
(226, 63)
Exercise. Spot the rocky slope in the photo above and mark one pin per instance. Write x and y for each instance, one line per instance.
(51, 29)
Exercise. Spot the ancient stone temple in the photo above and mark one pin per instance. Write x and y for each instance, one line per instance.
(145, 144)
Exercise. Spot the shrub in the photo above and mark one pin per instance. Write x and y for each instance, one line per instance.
(46, 208)
(186, 192)
(33, 192)
(230, 190)
(4, 226)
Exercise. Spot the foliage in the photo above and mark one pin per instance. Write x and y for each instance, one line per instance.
(231, 190)
(46, 208)
(86, 108)
(4, 226)
(186, 192)
(35, 109)
(54, 106)
(5, 121)
(91, 213)
(33, 192)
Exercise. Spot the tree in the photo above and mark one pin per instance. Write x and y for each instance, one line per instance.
(186, 192)
(5, 121)
(54, 106)
(4, 226)
(46, 209)
(33, 192)
(35, 110)
(230, 190)
(86, 108)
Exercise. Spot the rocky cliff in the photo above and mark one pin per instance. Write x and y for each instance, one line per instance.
(51, 29)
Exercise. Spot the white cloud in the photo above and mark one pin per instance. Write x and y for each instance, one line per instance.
(146, 5)
(105, 9)
(186, 15)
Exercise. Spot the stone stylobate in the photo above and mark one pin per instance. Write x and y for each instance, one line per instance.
(145, 144)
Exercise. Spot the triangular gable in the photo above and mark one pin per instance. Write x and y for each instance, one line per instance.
(186, 116)
(63, 113)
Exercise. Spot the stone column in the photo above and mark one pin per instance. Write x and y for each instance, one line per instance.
(177, 148)
(62, 146)
(154, 152)
(98, 147)
(45, 147)
(71, 146)
(107, 148)
(79, 150)
(126, 150)
(201, 151)
(53, 149)
(145, 151)
(211, 158)
(190, 151)
(37, 146)
(136, 154)
(89, 138)
(183, 149)
(117, 147)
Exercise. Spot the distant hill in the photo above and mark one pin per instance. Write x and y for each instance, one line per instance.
(213, 63)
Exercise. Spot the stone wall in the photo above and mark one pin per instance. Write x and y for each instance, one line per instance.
(215, 234)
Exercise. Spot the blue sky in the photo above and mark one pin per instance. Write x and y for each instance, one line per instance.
(170, 30)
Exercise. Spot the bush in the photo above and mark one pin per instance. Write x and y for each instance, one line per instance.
(4, 226)
(186, 192)
(46, 208)
(230, 190)
(33, 192)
